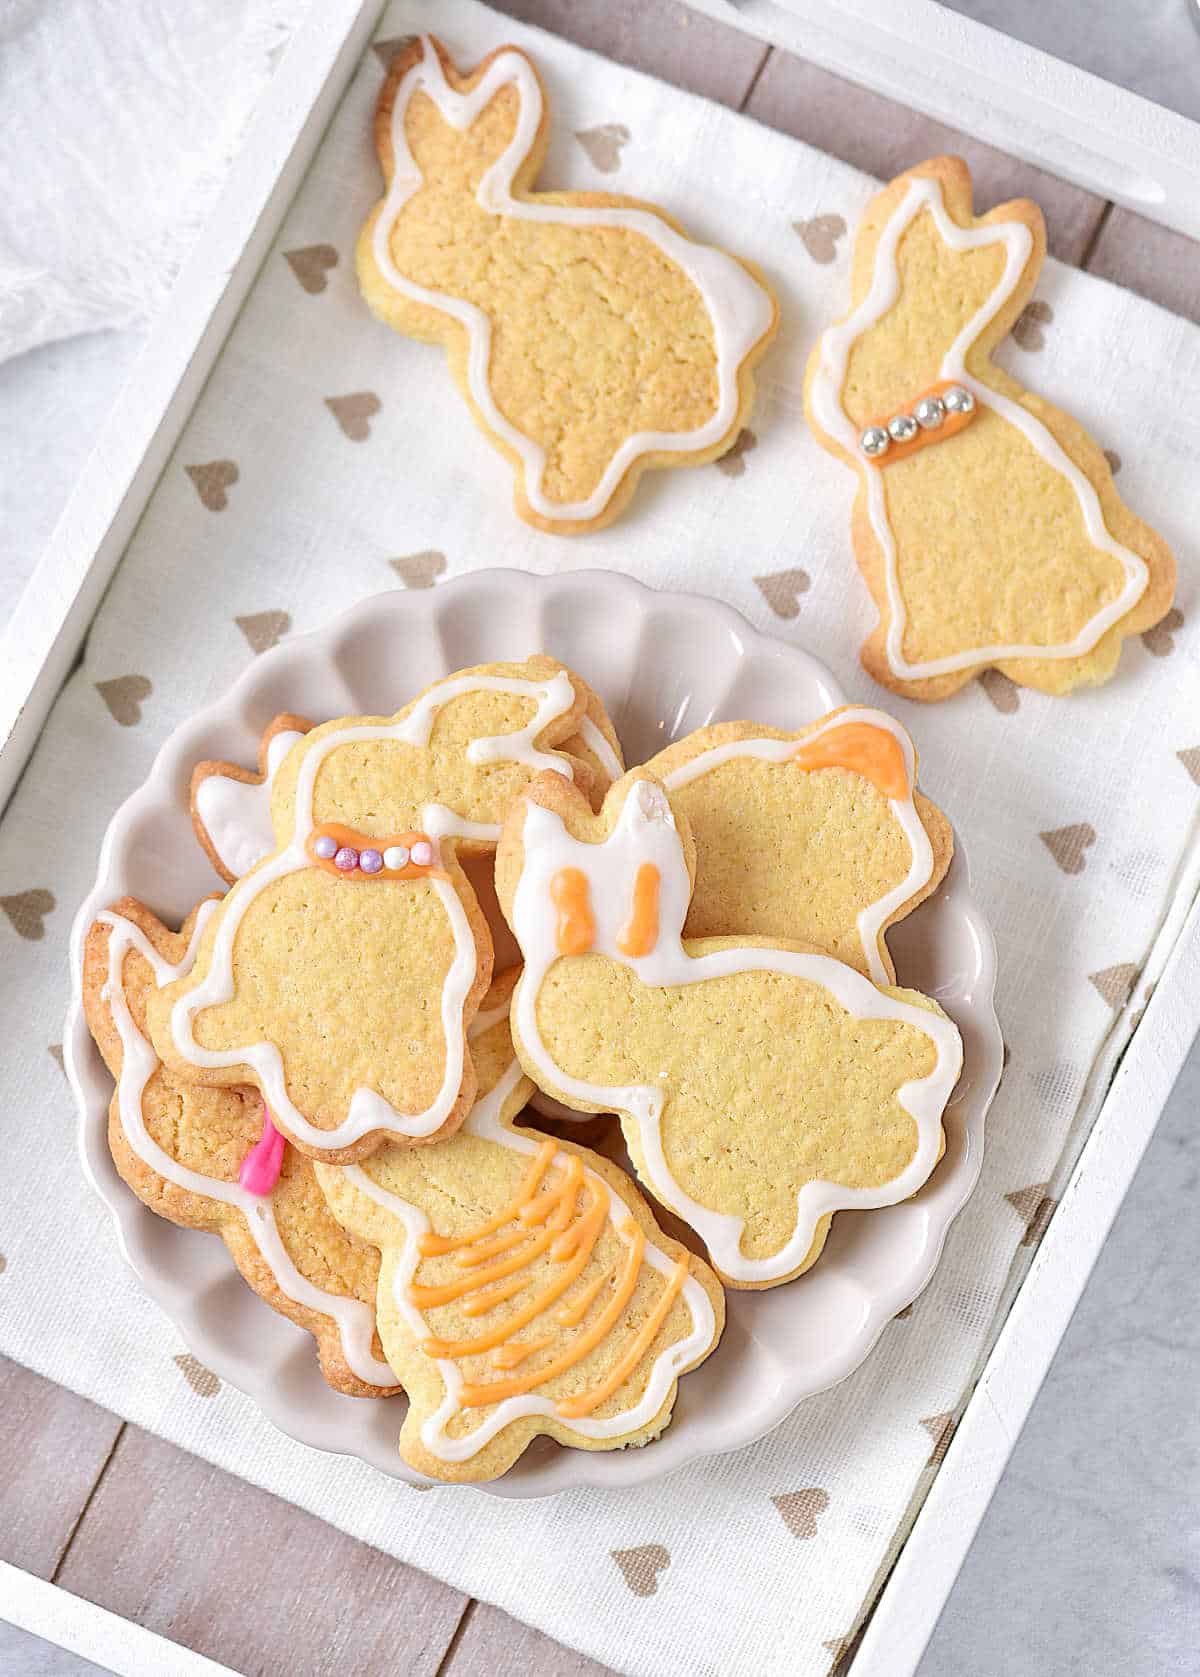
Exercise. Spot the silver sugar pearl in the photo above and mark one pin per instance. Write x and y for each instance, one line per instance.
(929, 413)
(957, 399)
(903, 428)
(874, 441)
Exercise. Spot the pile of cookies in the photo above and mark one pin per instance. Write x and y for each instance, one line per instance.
(325, 1067)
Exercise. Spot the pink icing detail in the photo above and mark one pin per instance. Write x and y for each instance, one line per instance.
(262, 1164)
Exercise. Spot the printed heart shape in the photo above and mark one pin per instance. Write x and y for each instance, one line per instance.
(1002, 691)
(1028, 328)
(941, 1429)
(202, 1380)
(311, 264)
(1191, 761)
(1115, 983)
(264, 628)
(1067, 845)
(3, 1263)
(841, 1647)
(27, 911)
(782, 591)
(800, 1510)
(385, 51)
(603, 145)
(1114, 460)
(733, 464)
(1160, 640)
(640, 1567)
(419, 570)
(903, 1315)
(212, 479)
(354, 413)
(820, 236)
(56, 1054)
(123, 695)
(1035, 1207)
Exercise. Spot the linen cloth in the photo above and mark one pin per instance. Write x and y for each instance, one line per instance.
(1078, 815)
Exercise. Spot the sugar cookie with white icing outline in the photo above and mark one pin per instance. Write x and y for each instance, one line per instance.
(194, 1156)
(986, 523)
(526, 1267)
(761, 1086)
(817, 836)
(591, 338)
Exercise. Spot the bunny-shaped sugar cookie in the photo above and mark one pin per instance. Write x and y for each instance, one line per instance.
(761, 1086)
(207, 1159)
(986, 523)
(525, 1287)
(589, 335)
(340, 973)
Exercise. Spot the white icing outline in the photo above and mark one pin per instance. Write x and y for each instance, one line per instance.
(645, 832)
(485, 1121)
(355, 1320)
(236, 814)
(368, 1109)
(598, 745)
(873, 918)
(740, 309)
(825, 392)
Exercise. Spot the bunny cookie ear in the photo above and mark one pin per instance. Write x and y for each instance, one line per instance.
(451, 133)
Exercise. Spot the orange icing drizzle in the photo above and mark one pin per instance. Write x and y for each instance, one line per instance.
(953, 423)
(576, 929)
(639, 934)
(550, 1220)
(862, 748)
(363, 841)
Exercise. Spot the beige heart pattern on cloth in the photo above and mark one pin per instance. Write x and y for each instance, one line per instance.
(56, 1054)
(1035, 1206)
(782, 591)
(1115, 983)
(733, 463)
(800, 1510)
(603, 145)
(1114, 460)
(1028, 328)
(27, 911)
(264, 628)
(212, 479)
(354, 413)
(311, 265)
(1067, 845)
(419, 570)
(1001, 690)
(820, 236)
(202, 1380)
(1191, 761)
(123, 695)
(1160, 641)
(941, 1429)
(640, 1567)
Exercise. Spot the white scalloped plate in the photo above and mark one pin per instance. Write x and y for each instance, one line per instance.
(665, 664)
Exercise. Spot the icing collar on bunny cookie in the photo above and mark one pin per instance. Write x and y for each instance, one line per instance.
(845, 741)
(355, 1320)
(826, 396)
(515, 1397)
(738, 307)
(368, 1109)
(645, 833)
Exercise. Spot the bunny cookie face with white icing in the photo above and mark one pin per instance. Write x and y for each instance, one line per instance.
(525, 1288)
(818, 836)
(986, 523)
(339, 975)
(208, 1159)
(761, 1086)
(589, 335)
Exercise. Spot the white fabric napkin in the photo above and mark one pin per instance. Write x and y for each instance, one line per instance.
(100, 204)
(1078, 816)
